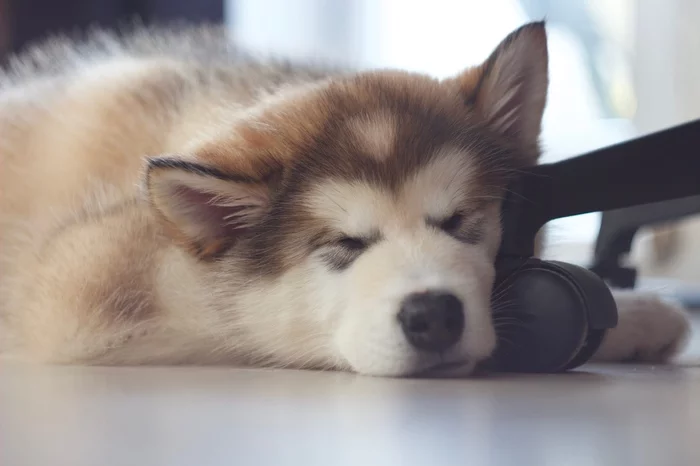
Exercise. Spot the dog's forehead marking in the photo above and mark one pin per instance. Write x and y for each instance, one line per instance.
(375, 133)
(436, 190)
(449, 181)
(353, 207)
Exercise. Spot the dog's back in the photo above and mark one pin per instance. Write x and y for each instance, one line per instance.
(77, 121)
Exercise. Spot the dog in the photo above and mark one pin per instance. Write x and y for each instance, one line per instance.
(167, 199)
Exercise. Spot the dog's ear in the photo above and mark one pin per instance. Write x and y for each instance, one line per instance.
(204, 209)
(509, 89)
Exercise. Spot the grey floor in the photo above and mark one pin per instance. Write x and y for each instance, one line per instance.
(620, 415)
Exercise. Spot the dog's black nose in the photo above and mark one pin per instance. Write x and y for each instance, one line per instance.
(432, 321)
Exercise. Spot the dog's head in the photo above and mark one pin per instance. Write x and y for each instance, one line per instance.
(354, 223)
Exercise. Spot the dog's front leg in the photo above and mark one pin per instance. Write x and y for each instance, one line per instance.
(649, 330)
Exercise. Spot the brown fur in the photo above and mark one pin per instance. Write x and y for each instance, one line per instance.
(155, 189)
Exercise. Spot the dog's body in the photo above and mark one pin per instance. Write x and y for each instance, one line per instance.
(165, 200)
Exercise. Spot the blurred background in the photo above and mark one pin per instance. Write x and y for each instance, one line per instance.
(619, 68)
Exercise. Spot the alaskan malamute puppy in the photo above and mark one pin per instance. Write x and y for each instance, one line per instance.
(165, 199)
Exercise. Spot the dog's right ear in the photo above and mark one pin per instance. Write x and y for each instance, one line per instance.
(204, 209)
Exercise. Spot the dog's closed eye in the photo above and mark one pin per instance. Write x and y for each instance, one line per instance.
(341, 252)
(452, 224)
(352, 244)
(465, 228)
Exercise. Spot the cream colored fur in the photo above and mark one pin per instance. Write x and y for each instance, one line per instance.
(95, 269)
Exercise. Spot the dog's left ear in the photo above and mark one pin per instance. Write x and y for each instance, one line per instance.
(509, 89)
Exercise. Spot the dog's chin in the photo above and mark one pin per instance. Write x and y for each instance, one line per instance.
(453, 368)
(449, 370)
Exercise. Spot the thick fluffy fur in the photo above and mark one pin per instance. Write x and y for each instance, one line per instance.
(165, 199)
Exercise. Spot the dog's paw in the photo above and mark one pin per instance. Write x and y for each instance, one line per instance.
(649, 330)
